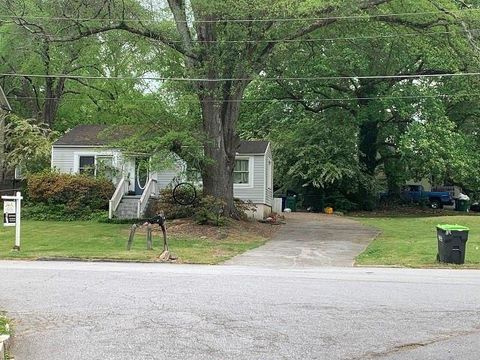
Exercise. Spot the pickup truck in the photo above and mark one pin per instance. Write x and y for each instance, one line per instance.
(436, 199)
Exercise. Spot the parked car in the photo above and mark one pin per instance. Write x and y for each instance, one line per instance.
(436, 199)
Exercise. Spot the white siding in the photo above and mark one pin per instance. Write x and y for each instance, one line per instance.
(164, 177)
(269, 187)
(255, 193)
(63, 160)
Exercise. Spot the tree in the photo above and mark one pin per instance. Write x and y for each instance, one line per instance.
(26, 47)
(27, 145)
(214, 50)
(382, 109)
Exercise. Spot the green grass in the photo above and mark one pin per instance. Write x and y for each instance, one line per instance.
(412, 242)
(93, 240)
(4, 327)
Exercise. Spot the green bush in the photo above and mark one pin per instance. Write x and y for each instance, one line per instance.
(210, 211)
(169, 207)
(54, 196)
(59, 212)
(206, 210)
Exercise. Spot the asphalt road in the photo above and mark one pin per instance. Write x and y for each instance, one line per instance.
(150, 311)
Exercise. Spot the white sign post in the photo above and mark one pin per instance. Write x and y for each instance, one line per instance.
(11, 215)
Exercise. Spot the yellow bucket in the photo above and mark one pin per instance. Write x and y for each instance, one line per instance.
(328, 210)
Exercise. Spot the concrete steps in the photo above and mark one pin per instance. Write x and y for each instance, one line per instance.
(127, 209)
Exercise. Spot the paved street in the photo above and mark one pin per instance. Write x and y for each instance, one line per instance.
(150, 311)
(310, 240)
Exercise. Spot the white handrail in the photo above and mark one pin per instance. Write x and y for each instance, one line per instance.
(122, 189)
(150, 188)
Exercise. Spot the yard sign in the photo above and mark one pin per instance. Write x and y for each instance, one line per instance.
(11, 215)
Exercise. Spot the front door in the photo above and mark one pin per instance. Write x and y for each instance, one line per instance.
(141, 174)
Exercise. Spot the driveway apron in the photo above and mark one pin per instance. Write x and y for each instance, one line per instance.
(311, 240)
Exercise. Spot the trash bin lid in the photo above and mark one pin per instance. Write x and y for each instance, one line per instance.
(448, 227)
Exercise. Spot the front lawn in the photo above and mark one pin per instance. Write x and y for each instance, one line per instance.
(412, 241)
(93, 240)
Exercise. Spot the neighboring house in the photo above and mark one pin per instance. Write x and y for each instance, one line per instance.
(4, 110)
(86, 149)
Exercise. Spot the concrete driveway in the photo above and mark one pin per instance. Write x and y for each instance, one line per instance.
(310, 240)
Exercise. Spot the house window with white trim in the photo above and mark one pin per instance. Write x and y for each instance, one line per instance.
(86, 165)
(241, 173)
(104, 167)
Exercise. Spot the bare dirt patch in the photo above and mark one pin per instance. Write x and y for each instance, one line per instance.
(233, 230)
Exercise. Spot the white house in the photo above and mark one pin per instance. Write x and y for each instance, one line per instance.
(84, 149)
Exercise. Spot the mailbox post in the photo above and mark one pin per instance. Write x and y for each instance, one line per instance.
(11, 215)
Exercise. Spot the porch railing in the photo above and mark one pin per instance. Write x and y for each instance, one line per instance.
(122, 189)
(150, 189)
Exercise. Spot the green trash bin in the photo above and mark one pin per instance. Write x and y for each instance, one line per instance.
(462, 205)
(451, 243)
(291, 203)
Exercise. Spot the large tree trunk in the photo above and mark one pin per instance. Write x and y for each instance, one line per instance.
(221, 144)
(368, 145)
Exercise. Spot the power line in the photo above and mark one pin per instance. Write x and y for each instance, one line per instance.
(260, 78)
(393, 97)
(326, 18)
(311, 40)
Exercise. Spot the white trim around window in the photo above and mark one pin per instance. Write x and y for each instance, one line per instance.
(77, 155)
(250, 172)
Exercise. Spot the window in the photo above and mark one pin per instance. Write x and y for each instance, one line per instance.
(86, 165)
(241, 173)
(105, 167)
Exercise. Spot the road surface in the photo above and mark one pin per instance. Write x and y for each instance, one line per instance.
(75, 311)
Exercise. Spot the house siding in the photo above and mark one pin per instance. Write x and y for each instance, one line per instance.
(63, 160)
(254, 193)
(269, 187)
(164, 178)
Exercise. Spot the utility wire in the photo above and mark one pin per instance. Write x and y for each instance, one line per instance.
(393, 97)
(312, 40)
(326, 18)
(260, 78)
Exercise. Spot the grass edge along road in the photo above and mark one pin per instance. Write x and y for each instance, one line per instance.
(412, 241)
(90, 240)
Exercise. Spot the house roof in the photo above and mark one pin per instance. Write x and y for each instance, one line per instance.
(4, 105)
(91, 135)
(98, 135)
(252, 147)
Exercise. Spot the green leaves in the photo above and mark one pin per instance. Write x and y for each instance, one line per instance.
(27, 144)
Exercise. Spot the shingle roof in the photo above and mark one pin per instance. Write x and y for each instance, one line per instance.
(88, 135)
(252, 147)
(98, 135)
(3, 101)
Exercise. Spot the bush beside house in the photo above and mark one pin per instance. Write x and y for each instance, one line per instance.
(54, 196)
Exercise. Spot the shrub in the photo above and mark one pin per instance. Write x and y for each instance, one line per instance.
(68, 196)
(206, 210)
(169, 207)
(210, 211)
(59, 212)
(244, 206)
